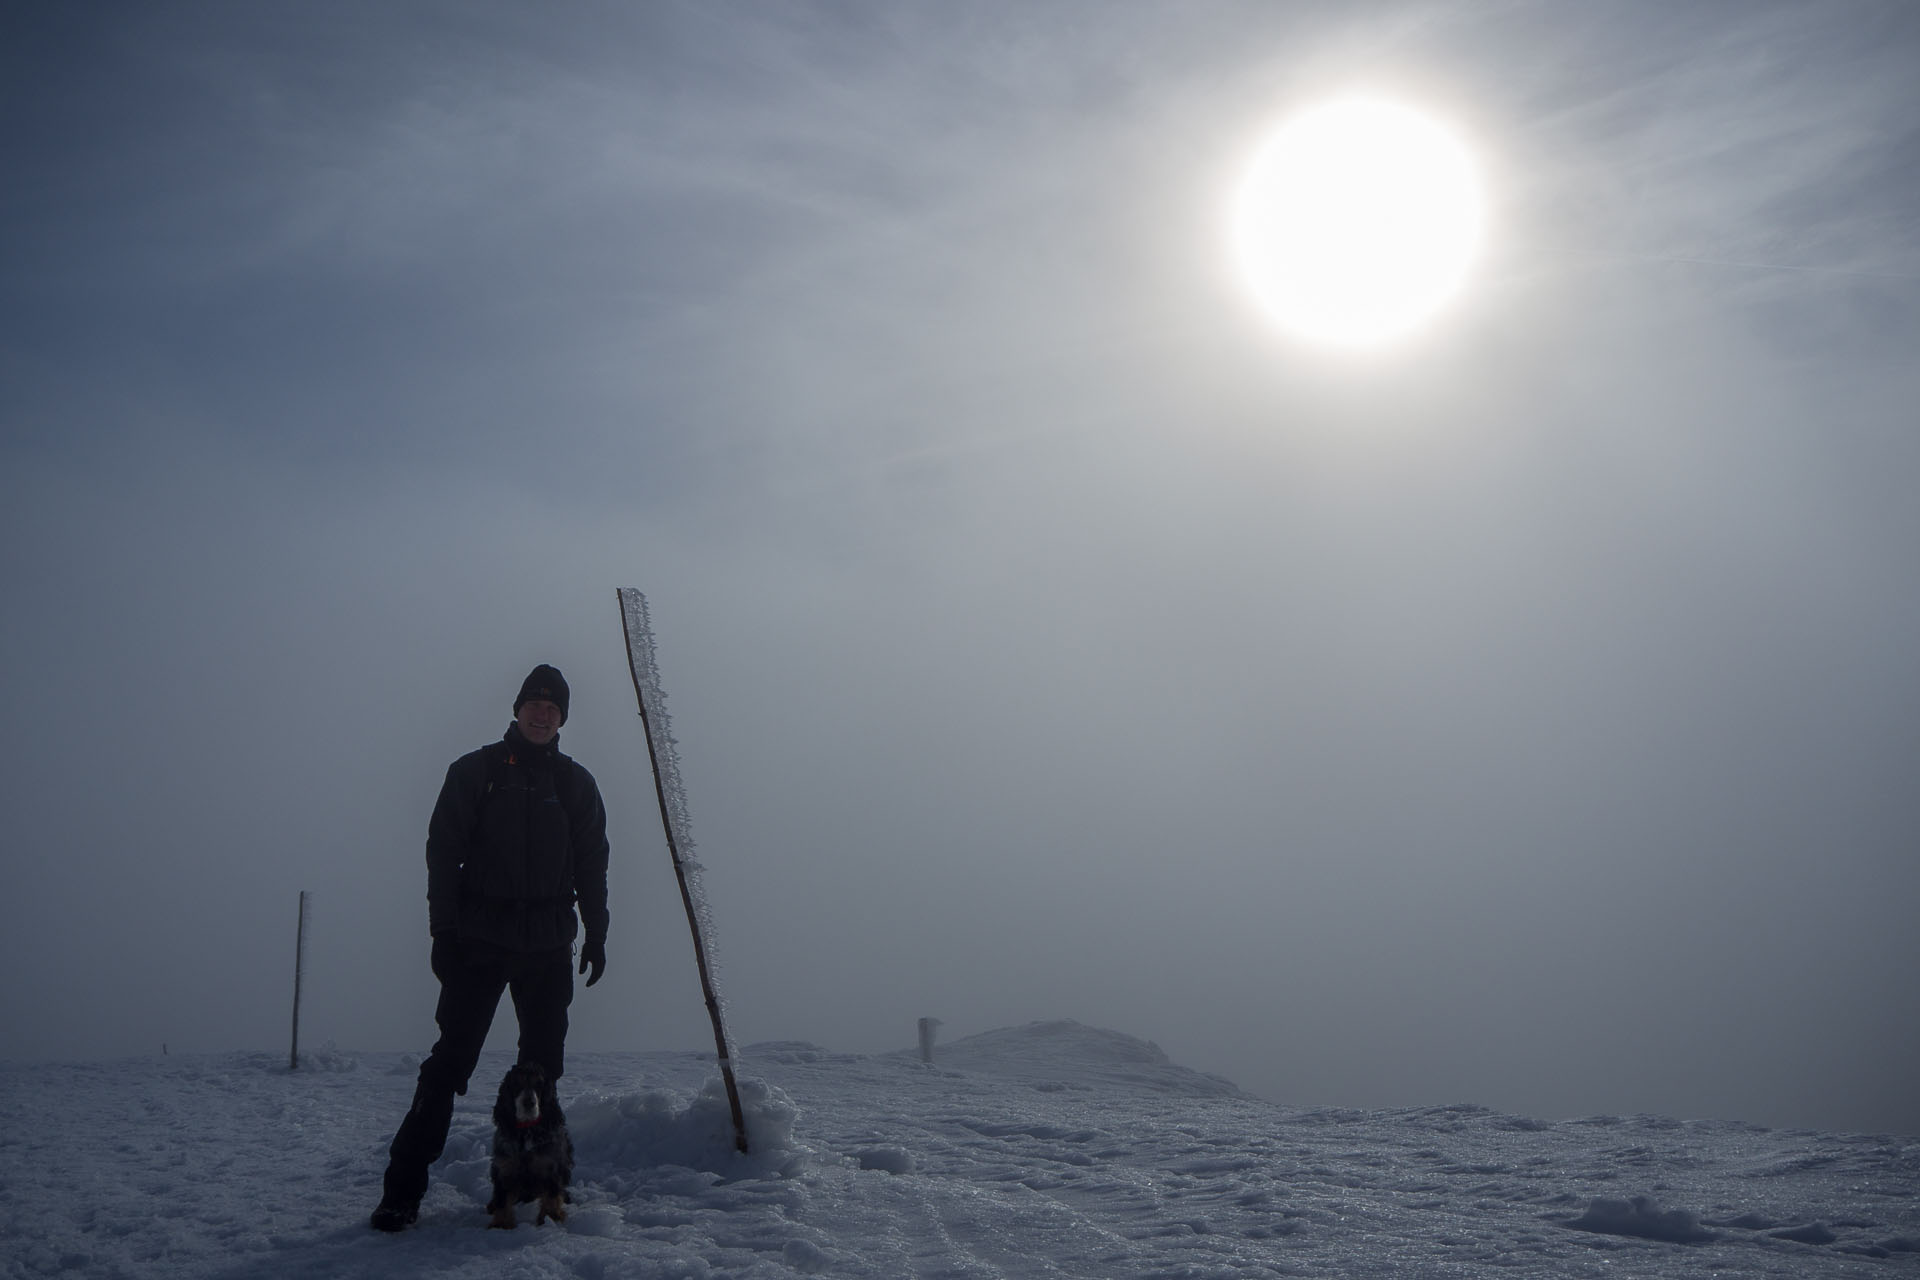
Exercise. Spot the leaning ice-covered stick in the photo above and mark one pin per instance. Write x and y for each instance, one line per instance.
(665, 759)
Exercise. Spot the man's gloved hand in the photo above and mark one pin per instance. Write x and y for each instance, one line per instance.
(593, 955)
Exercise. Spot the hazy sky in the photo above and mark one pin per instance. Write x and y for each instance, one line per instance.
(1527, 715)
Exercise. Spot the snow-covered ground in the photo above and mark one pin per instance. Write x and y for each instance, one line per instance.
(1048, 1150)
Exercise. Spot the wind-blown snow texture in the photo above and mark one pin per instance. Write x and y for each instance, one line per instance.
(665, 750)
(1047, 1150)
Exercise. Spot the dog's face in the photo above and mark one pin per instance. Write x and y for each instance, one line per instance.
(522, 1096)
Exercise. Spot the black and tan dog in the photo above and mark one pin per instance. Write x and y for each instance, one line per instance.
(532, 1153)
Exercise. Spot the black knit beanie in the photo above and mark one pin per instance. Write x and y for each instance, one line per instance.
(546, 684)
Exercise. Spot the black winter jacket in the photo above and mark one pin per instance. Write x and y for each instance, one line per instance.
(518, 835)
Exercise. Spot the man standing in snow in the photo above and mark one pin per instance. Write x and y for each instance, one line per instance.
(518, 837)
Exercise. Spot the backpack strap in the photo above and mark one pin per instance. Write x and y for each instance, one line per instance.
(499, 758)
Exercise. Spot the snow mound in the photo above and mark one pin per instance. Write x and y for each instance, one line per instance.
(1066, 1056)
(885, 1159)
(328, 1058)
(651, 1128)
(1642, 1218)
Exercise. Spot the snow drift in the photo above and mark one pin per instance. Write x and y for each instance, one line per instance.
(1052, 1149)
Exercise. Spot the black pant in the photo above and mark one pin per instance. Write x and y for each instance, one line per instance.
(471, 981)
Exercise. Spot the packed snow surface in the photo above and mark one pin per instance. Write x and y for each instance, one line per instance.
(1047, 1150)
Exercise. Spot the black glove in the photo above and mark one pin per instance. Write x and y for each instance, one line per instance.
(594, 955)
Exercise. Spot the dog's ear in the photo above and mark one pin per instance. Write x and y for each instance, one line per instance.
(503, 1101)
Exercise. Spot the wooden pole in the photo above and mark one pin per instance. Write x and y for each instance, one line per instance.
(707, 989)
(299, 968)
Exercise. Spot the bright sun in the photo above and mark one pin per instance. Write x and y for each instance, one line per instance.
(1356, 222)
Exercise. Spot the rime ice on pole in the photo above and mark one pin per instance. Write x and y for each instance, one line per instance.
(665, 755)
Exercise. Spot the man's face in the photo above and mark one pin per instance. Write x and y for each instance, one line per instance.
(539, 721)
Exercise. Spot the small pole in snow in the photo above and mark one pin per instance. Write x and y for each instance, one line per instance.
(926, 1038)
(299, 966)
